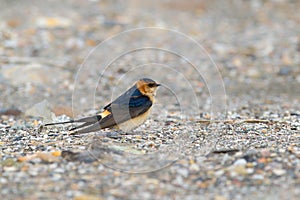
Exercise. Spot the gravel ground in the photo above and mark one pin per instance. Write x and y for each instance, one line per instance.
(199, 143)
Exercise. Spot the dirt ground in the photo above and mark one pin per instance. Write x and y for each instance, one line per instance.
(225, 125)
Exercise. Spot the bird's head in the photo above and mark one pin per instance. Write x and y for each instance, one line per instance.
(147, 86)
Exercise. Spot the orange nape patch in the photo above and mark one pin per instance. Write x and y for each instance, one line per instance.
(142, 86)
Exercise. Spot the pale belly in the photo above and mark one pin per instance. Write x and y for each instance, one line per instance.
(133, 123)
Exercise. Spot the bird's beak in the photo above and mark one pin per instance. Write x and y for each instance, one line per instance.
(157, 84)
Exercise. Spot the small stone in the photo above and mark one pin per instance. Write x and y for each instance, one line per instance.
(33, 172)
(47, 157)
(281, 150)
(253, 73)
(203, 185)
(53, 22)
(13, 23)
(264, 131)
(194, 167)
(265, 153)
(10, 169)
(251, 164)
(237, 62)
(221, 48)
(87, 197)
(286, 59)
(250, 170)
(258, 177)
(56, 177)
(273, 155)
(279, 172)
(183, 172)
(219, 197)
(262, 160)
(3, 180)
(284, 71)
(239, 170)
(240, 162)
(219, 173)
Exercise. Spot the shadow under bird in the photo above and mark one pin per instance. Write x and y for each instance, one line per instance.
(128, 111)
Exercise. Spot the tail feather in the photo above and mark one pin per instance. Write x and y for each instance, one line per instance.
(57, 123)
(81, 126)
(86, 128)
(86, 120)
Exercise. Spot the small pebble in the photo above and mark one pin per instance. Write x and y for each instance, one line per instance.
(279, 172)
(240, 162)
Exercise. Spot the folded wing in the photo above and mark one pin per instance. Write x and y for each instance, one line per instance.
(129, 105)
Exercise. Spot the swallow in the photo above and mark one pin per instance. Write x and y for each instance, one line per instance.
(127, 112)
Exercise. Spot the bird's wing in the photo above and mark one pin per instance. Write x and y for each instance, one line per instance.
(120, 111)
(125, 98)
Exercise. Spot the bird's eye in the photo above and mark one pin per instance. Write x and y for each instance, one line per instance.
(151, 84)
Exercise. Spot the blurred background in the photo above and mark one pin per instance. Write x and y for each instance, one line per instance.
(255, 44)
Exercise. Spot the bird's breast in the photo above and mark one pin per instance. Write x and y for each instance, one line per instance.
(134, 122)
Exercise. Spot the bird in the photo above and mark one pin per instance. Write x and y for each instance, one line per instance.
(128, 111)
